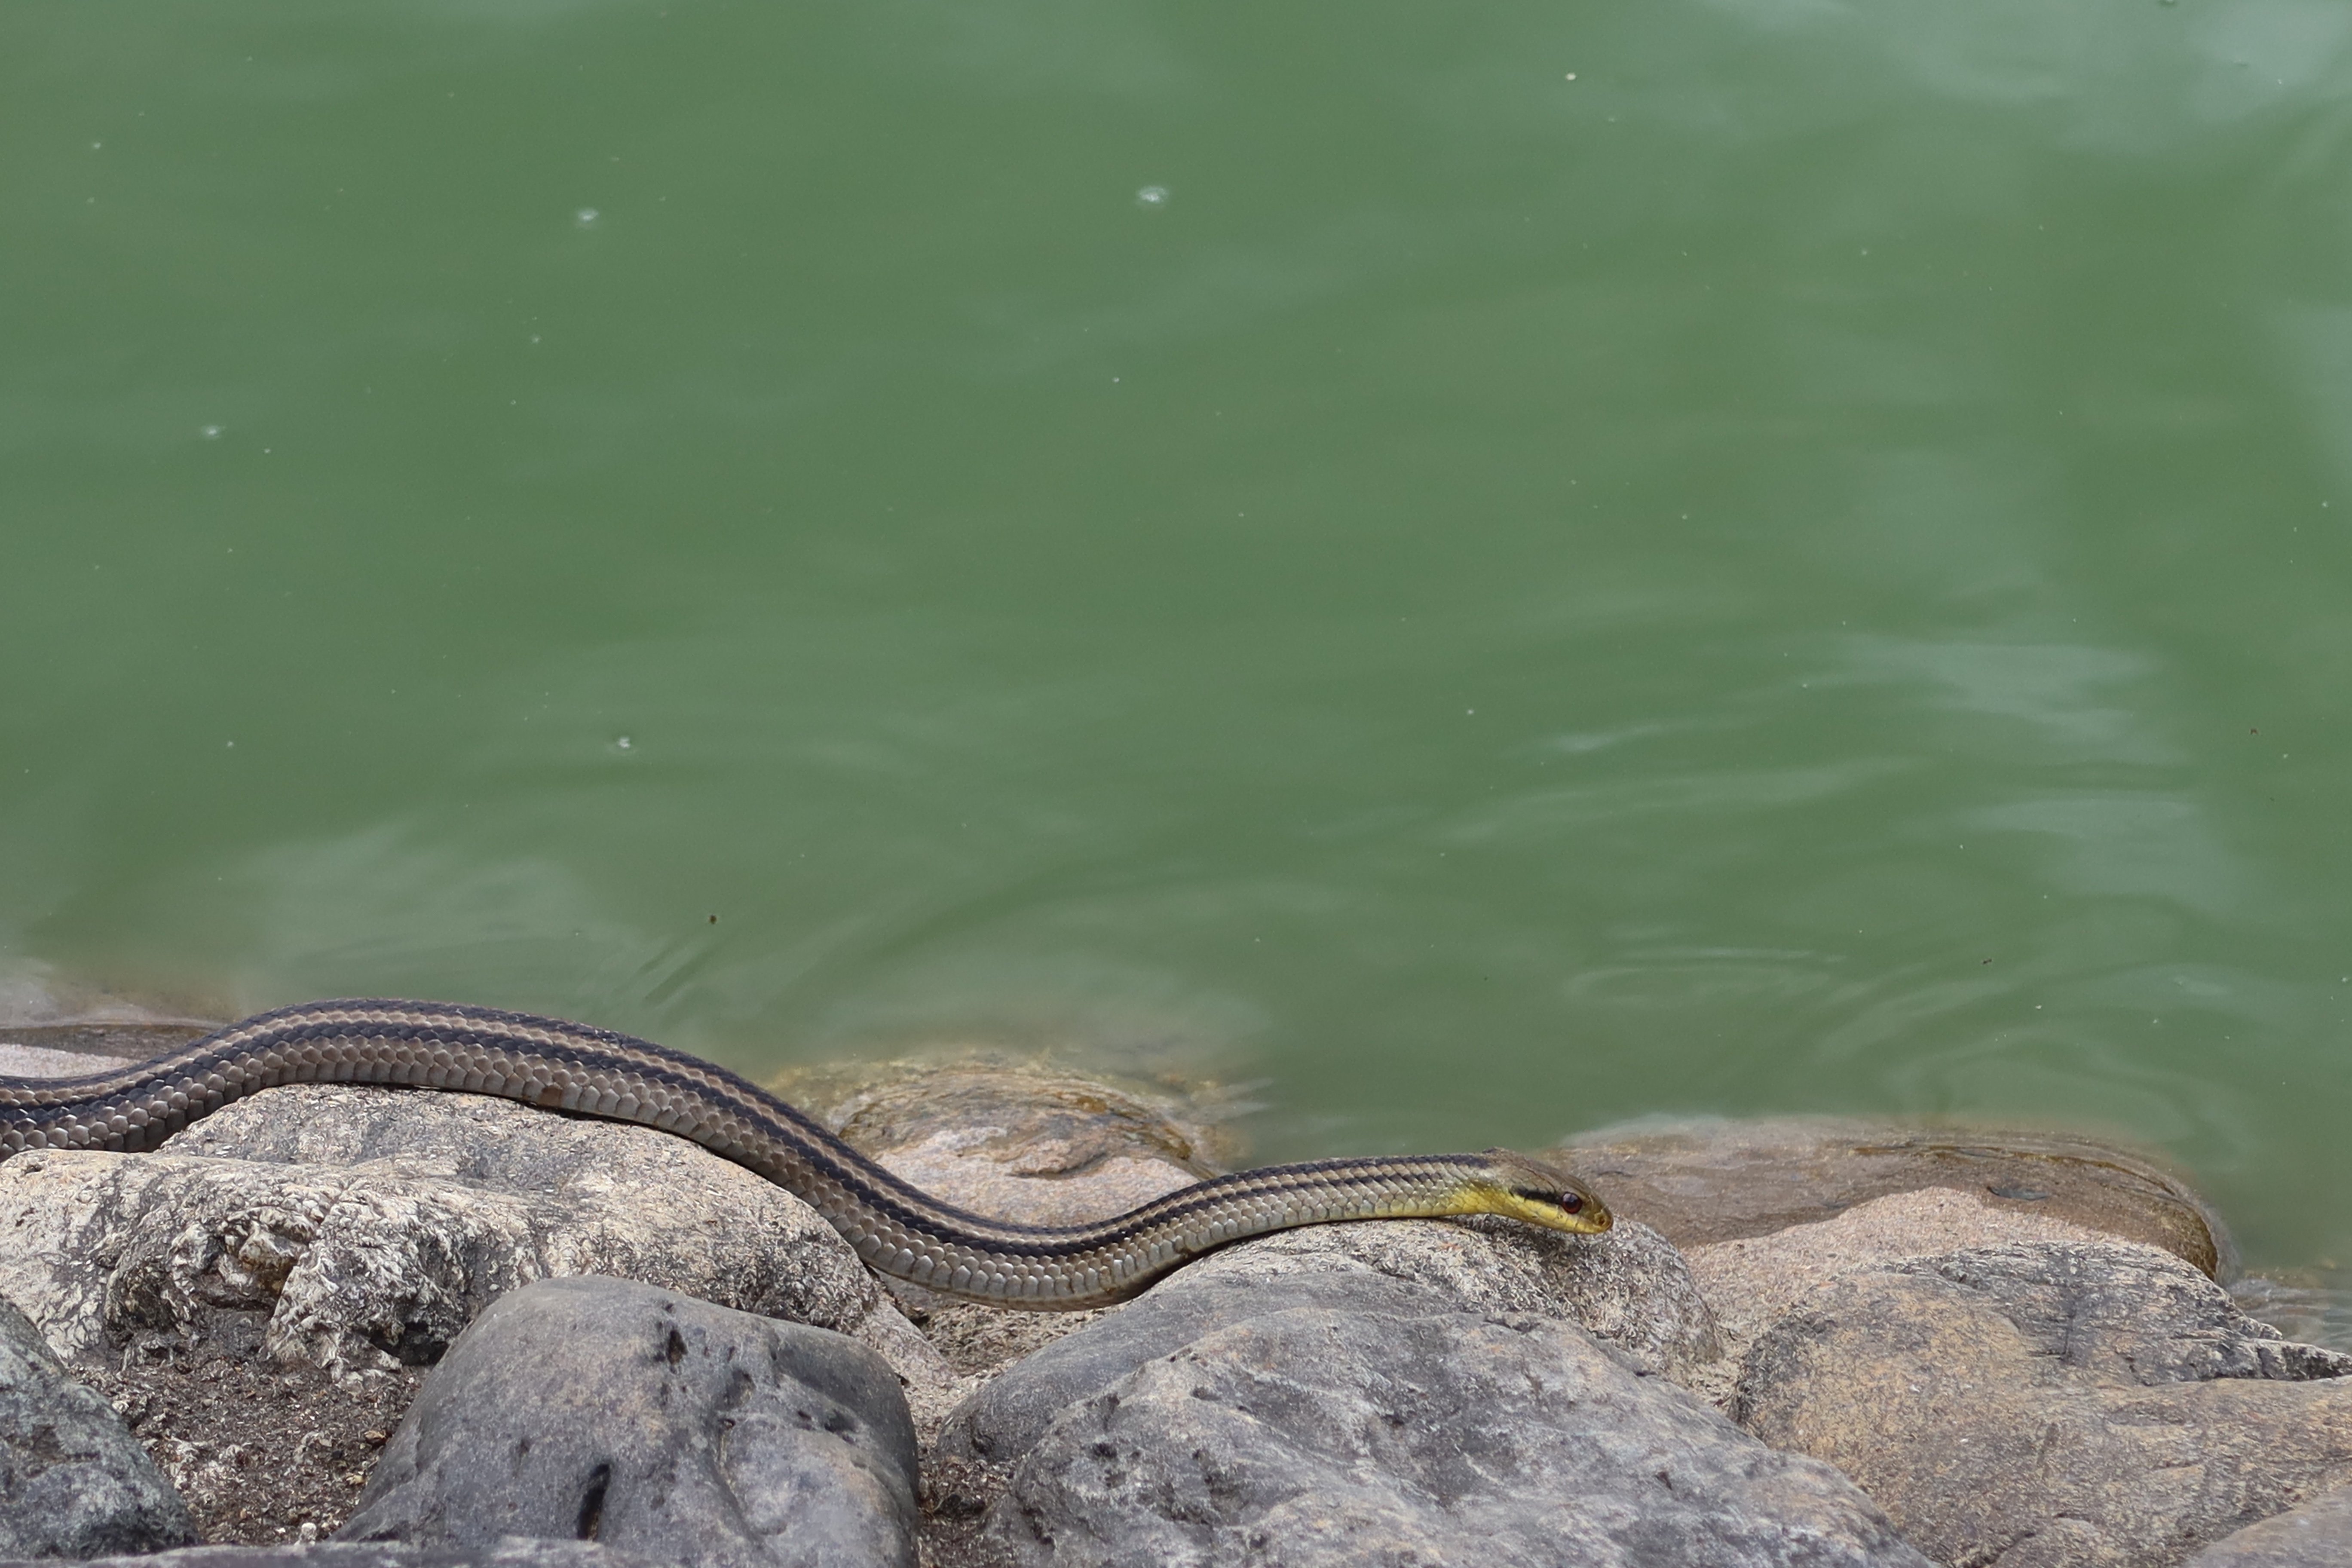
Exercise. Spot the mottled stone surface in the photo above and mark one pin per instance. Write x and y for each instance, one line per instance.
(1629, 1283)
(1020, 1139)
(602, 1409)
(2316, 1536)
(74, 1482)
(1709, 1181)
(358, 1228)
(1753, 1283)
(516, 1552)
(1317, 1436)
(2039, 1405)
(1015, 1138)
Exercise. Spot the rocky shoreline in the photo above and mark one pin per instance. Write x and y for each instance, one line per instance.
(376, 1327)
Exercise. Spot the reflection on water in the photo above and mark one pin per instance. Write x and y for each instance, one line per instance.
(1494, 572)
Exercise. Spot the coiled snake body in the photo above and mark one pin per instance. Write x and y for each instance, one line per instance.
(895, 1227)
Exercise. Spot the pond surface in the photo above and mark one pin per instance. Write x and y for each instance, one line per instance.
(1481, 571)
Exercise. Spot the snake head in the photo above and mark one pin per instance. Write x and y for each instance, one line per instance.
(1534, 1193)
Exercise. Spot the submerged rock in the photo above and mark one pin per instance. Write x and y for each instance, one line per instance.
(605, 1410)
(1319, 1437)
(1709, 1181)
(1015, 1138)
(2052, 1404)
(74, 1482)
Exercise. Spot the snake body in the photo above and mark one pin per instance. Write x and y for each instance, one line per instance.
(896, 1229)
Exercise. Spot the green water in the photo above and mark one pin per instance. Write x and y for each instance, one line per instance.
(1793, 571)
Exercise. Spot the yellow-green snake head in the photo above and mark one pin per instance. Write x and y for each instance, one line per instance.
(1533, 1192)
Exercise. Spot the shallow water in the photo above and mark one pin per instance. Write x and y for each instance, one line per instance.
(1797, 568)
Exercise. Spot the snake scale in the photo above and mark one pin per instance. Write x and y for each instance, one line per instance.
(896, 1229)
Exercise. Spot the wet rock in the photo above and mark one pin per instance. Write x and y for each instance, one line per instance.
(1319, 1437)
(1709, 1181)
(360, 1229)
(605, 1410)
(1628, 1287)
(2316, 1536)
(1628, 1284)
(2050, 1403)
(18, 1060)
(1752, 1284)
(74, 1482)
(513, 1552)
(40, 1012)
(1017, 1139)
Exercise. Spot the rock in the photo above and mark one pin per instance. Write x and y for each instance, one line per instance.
(197, 1290)
(2316, 1536)
(1752, 1284)
(513, 1552)
(261, 1453)
(605, 1410)
(1629, 1283)
(45, 1061)
(358, 1229)
(1628, 1287)
(74, 1482)
(1015, 1138)
(1314, 1437)
(2048, 1403)
(42, 1012)
(1018, 1139)
(1709, 1181)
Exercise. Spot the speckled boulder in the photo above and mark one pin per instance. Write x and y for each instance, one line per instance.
(357, 1228)
(1314, 1437)
(1629, 1283)
(1714, 1180)
(2316, 1536)
(647, 1421)
(513, 1552)
(2052, 1404)
(74, 1482)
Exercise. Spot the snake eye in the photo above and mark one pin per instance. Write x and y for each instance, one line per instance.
(1569, 1203)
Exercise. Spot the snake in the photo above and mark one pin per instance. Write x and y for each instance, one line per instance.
(896, 1228)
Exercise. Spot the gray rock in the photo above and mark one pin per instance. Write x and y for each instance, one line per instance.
(2038, 1404)
(46, 1061)
(604, 1410)
(2316, 1536)
(1628, 1287)
(513, 1552)
(1712, 1180)
(74, 1482)
(1017, 1138)
(1311, 1436)
(1628, 1282)
(1754, 1282)
(357, 1229)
